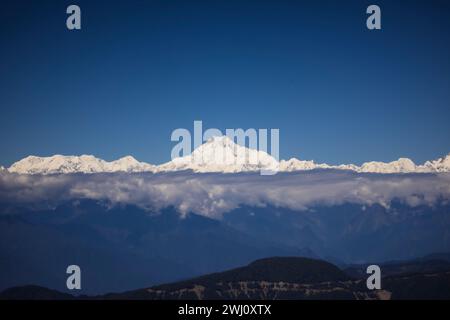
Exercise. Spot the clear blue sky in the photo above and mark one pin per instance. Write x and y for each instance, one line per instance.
(137, 70)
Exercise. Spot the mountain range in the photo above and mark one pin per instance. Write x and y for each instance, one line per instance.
(218, 154)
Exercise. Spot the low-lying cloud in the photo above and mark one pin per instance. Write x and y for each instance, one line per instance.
(212, 194)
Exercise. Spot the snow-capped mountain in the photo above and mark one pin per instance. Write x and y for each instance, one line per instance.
(218, 154)
(294, 164)
(73, 164)
(221, 154)
(439, 165)
(402, 165)
(129, 164)
(398, 166)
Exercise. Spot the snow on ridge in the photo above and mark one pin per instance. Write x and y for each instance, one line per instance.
(74, 164)
(218, 154)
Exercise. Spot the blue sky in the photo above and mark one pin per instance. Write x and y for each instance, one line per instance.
(137, 70)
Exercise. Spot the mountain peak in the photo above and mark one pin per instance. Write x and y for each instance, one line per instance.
(130, 164)
(222, 154)
(397, 166)
(438, 165)
(127, 159)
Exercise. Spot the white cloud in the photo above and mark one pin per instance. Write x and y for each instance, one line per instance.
(213, 194)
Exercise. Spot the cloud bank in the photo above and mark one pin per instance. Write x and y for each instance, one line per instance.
(212, 194)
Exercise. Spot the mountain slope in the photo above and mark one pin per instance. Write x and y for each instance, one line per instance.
(32, 292)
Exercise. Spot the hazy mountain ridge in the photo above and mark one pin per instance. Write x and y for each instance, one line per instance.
(124, 247)
(218, 154)
(274, 278)
(119, 248)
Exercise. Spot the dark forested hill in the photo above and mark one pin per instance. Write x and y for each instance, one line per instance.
(281, 278)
